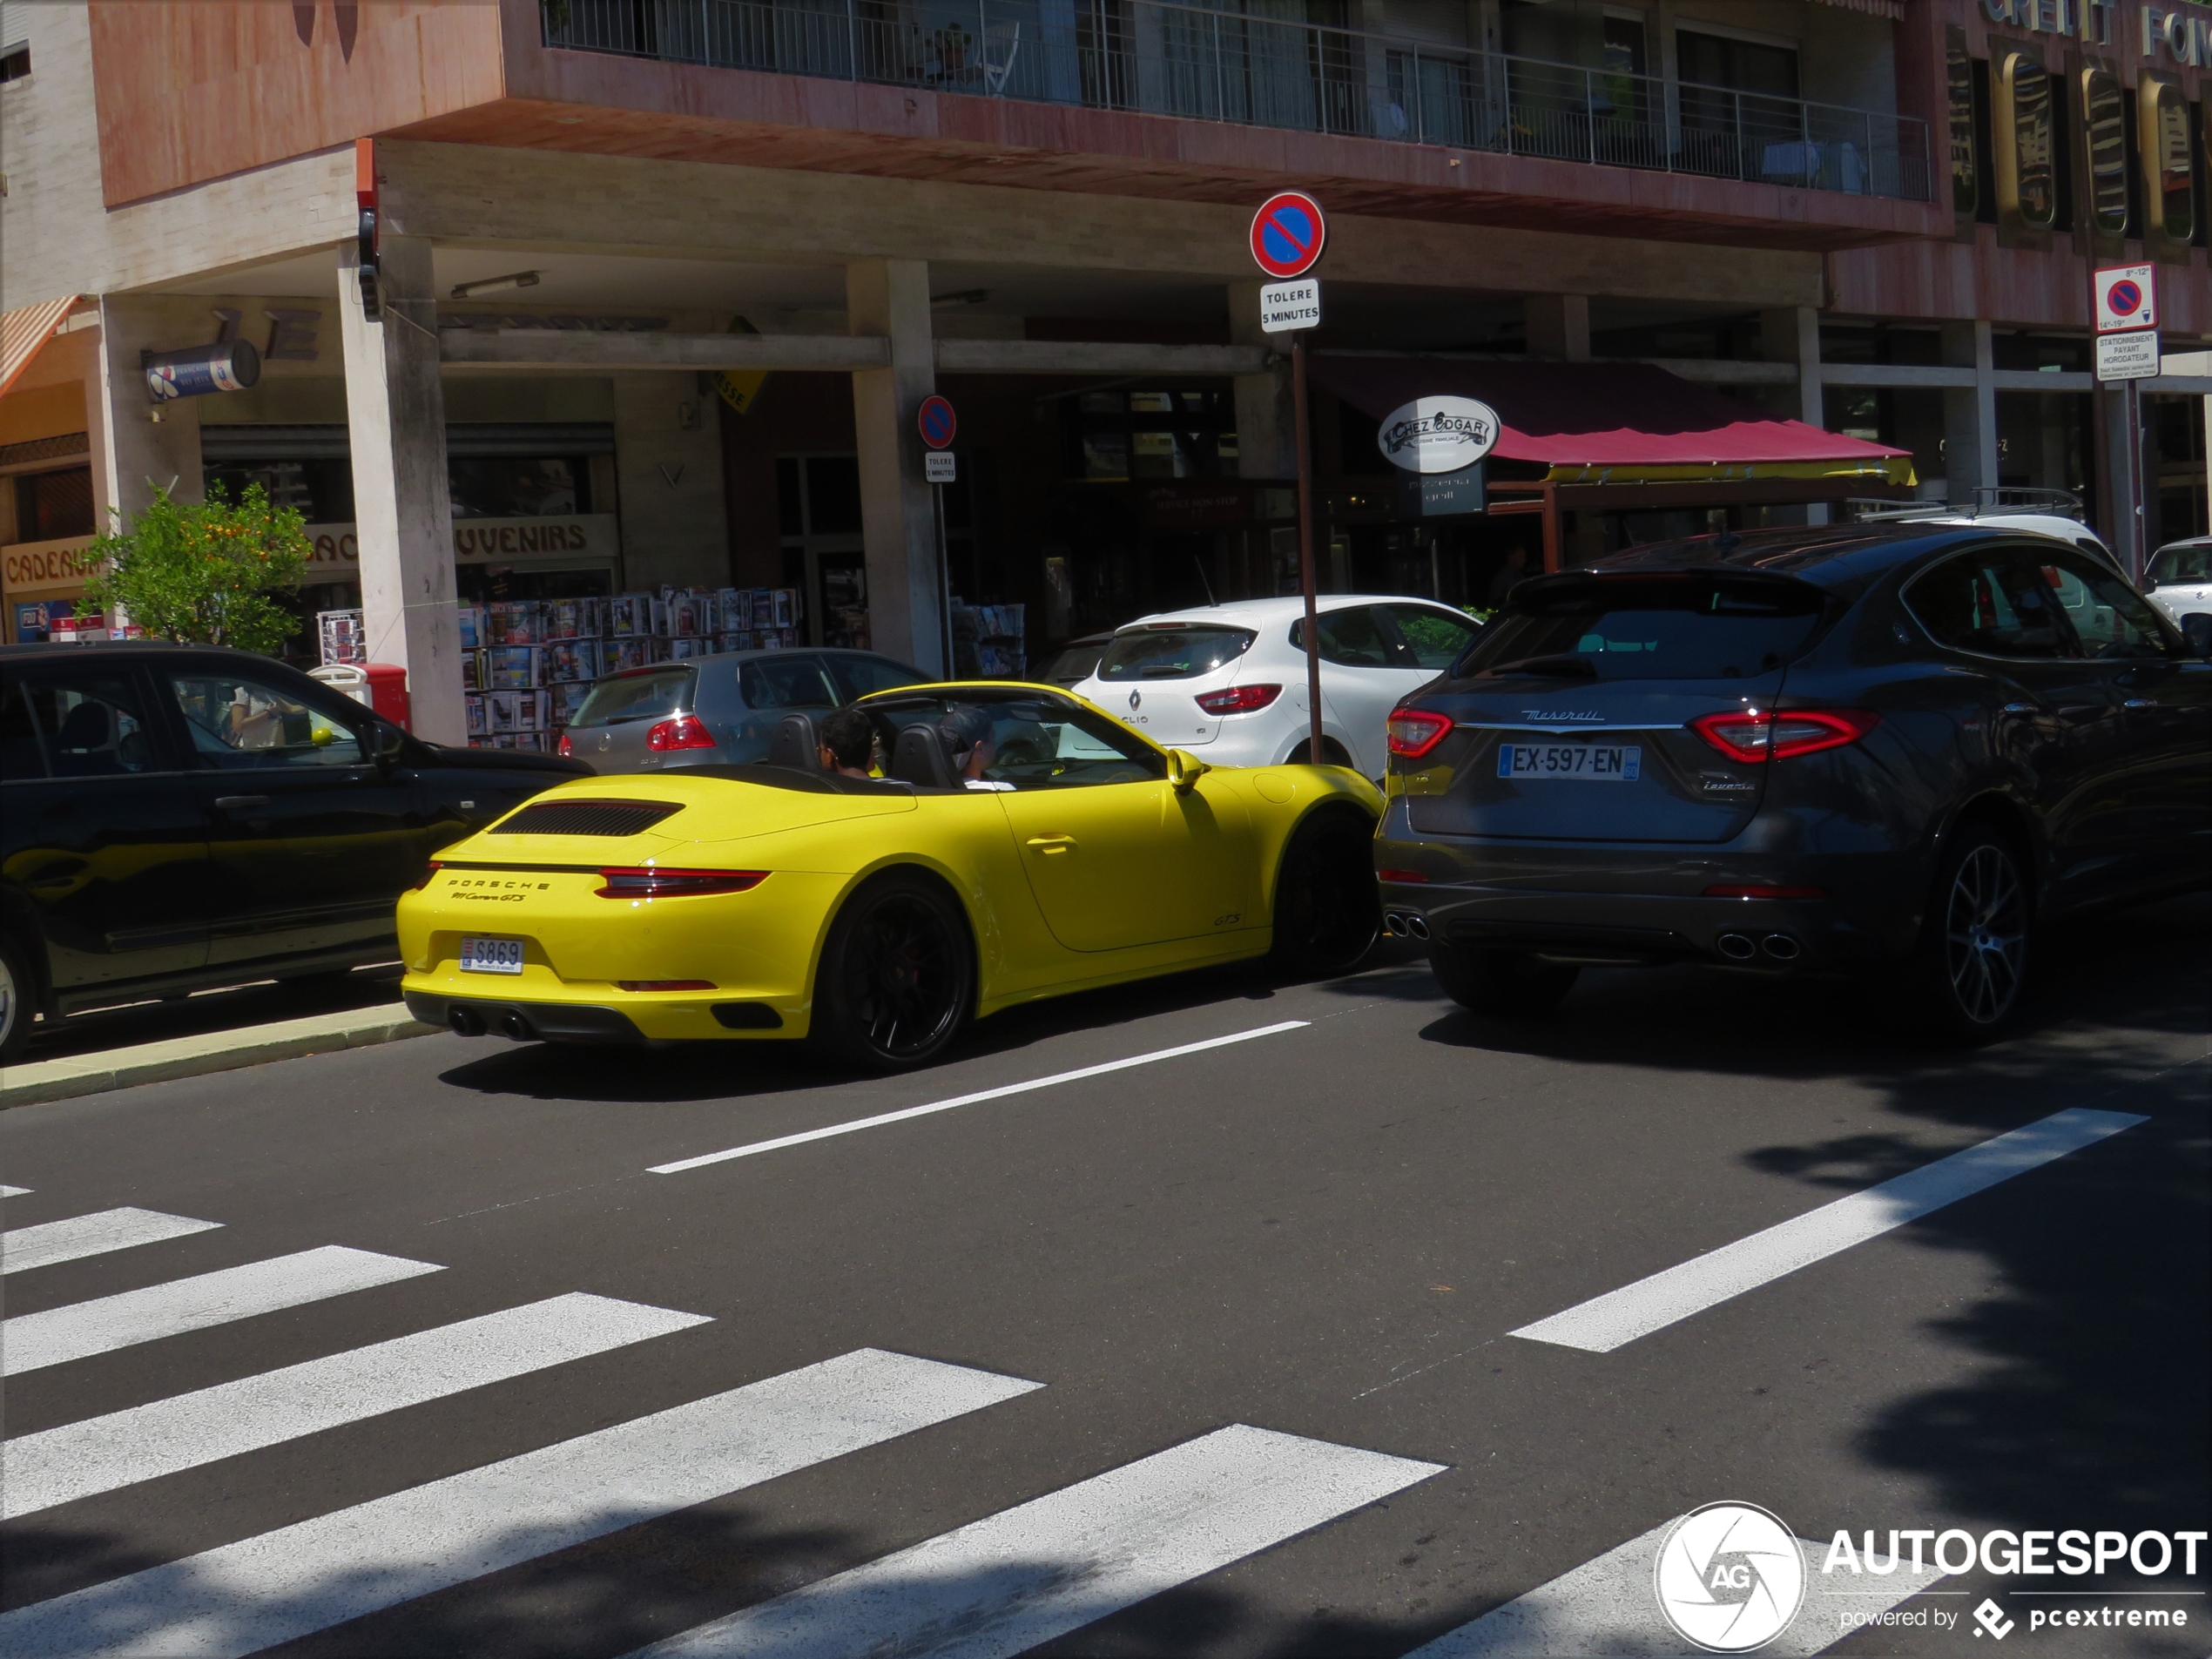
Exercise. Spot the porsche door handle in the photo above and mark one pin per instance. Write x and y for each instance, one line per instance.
(1048, 844)
(2140, 703)
(240, 803)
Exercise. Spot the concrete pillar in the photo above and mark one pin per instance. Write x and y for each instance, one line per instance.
(668, 479)
(136, 444)
(1266, 423)
(395, 420)
(890, 298)
(1558, 326)
(1792, 335)
(1969, 412)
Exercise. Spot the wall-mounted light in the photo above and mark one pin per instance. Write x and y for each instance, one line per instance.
(497, 284)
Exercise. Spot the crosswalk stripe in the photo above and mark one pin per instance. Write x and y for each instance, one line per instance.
(1608, 1606)
(49, 1242)
(13, 1192)
(853, 1126)
(1042, 1569)
(31, 1341)
(1610, 1321)
(299, 1578)
(99, 1453)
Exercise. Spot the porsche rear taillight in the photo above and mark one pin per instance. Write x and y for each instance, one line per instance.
(1414, 733)
(429, 871)
(1753, 735)
(1239, 699)
(685, 731)
(645, 882)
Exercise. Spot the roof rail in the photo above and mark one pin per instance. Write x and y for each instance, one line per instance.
(1989, 498)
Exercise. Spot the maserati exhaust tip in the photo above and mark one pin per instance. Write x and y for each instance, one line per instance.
(1394, 925)
(1737, 947)
(1417, 926)
(1782, 947)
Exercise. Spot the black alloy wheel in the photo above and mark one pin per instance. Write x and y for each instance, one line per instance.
(897, 976)
(17, 1001)
(1972, 959)
(1328, 909)
(1499, 981)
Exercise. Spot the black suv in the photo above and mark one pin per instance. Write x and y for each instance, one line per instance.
(173, 817)
(1791, 751)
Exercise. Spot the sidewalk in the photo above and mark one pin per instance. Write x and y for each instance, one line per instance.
(193, 1056)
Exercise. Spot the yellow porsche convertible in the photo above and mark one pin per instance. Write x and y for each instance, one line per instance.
(1019, 843)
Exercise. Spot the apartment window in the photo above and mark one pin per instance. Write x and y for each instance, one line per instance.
(15, 64)
(1625, 52)
(53, 505)
(1740, 65)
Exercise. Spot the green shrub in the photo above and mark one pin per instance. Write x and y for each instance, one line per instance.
(203, 573)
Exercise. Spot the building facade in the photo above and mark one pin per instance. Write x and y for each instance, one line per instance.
(557, 298)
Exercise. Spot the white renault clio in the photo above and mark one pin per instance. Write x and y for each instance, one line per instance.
(1227, 681)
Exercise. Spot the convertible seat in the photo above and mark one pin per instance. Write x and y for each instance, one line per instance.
(795, 744)
(919, 760)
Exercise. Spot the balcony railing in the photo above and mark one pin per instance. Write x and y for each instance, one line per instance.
(1225, 65)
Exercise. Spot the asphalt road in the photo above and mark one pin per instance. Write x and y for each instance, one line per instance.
(1326, 1232)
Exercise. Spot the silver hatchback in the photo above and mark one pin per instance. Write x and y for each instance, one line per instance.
(718, 711)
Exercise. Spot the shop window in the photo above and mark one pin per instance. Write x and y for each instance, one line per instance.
(53, 505)
(1118, 437)
(518, 486)
(2025, 137)
(320, 491)
(2169, 182)
(2103, 205)
(1966, 171)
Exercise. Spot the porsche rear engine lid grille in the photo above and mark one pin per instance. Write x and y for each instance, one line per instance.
(611, 818)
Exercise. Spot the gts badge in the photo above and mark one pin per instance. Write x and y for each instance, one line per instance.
(1229, 920)
(1717, 783)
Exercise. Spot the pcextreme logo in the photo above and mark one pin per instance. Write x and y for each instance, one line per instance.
(1729, 1577)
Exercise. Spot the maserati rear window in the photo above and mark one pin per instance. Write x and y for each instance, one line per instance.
(1140, 654)
(1665, 630)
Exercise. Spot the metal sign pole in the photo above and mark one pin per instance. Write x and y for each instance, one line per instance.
(944, 582)
(1306, 582)
(2138, 554)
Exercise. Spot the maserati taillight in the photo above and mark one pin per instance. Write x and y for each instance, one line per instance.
(1765, 734)
(1414, 733)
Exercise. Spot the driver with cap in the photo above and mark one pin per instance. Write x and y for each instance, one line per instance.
(966, 732)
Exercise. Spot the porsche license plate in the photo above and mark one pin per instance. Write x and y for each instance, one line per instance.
(1592, 763)
(491, 956)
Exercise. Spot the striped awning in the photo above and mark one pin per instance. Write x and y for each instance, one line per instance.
(1893, 10)
(24, 331)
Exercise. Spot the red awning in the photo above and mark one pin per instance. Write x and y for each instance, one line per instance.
(1614, 422)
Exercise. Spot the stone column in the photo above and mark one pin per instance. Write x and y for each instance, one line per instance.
(135, 443)
(1792, 335)
(1558, 326)
(396, 419)
(668, 471)
(1969, 412)
(890, 299)
(1266, 425)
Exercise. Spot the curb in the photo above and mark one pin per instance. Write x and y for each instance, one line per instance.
(197, 1056)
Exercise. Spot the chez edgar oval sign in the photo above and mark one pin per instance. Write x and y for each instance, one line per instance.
(1438, 434)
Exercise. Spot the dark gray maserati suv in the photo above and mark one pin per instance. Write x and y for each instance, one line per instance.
(1801, 751)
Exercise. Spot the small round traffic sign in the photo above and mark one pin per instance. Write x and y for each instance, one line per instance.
(2125, 299)
(1288, 234)
(937, 422)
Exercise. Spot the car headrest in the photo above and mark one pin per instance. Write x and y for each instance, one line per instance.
(919, 760)
(795, 744)
(84, 726)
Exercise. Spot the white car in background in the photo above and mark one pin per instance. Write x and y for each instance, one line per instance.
(1228, 682)
(2179, 581)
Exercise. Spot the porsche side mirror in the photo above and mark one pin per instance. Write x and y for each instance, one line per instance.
(1185, 769)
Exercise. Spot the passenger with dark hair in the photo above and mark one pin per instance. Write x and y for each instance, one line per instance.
(848, 742)
(966, 732)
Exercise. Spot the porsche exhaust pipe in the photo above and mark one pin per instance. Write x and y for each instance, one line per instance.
(466, 1023)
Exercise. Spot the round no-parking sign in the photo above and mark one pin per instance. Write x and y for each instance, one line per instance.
(1288, 234)
(937, 422)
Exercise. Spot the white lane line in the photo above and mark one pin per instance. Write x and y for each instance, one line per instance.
(13, 1192)
(859, 1123)
(100, 1454)
(94, 1234)
(1607, 1607)
(1041, 1569)
(299, 1578)
(1607, 1322)
(31, 1341)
